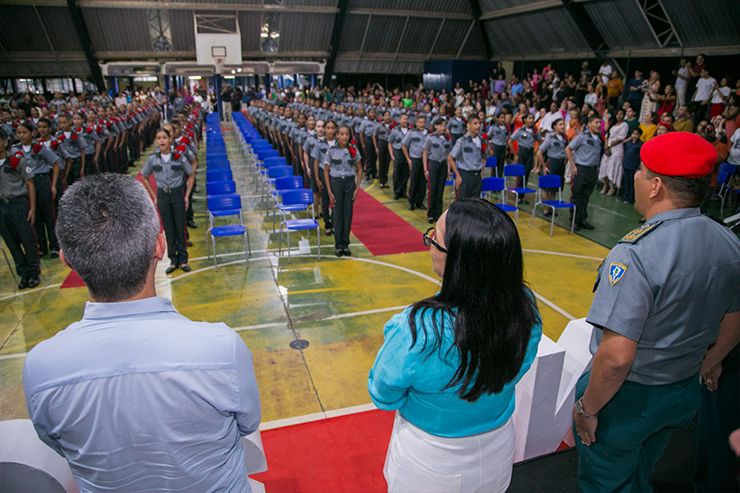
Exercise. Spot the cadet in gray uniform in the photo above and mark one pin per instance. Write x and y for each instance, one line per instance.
(526, 136)
(367, 133)
(413, 148)
(323, 143)
(17, 204)
(436, 168)
(380, 140)
(498, 134)
(71, 148)
(467, 160)
(665, 293)
(401, 168)
(554, 148)
(170, 169)
(43, 163)
(457, 125)
(584, 153)
(343, 175)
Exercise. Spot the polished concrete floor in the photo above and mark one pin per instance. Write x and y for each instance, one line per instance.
(338, 305)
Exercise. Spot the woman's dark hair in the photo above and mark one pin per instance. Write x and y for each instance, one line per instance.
(27, 125)
(484, 291)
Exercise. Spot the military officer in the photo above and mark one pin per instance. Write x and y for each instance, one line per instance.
(665, 293)
(584, 154)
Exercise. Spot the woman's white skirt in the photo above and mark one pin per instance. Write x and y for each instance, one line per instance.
(418, 462)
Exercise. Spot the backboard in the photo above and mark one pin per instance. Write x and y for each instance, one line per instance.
(218, 41)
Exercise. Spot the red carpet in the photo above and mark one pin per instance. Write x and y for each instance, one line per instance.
(330, 455)
(381, 230)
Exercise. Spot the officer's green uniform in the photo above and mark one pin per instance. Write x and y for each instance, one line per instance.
(666, 285)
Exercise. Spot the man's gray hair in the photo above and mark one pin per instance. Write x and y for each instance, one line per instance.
(107, 228)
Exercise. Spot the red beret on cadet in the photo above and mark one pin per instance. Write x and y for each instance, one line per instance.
(680, 154)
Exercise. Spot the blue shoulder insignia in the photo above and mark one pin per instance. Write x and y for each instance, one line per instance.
(635, 235)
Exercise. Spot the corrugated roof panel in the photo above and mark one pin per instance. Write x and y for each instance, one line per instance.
(305, 32)
(492, 5)
(384, 34)
(622, 24)
(352, 33)
(109, 32)
(318, 3)
(450, 38)
(456, 6)
(419, 35)
(474, 45)
(21, 30)
(541, 32)
(61, 29)
(249, 26)
(182, 29)
(706, 23)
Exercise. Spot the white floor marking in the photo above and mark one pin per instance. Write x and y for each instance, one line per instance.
(307, 418)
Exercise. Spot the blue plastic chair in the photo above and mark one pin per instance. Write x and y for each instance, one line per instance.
(551, 182)
(282, 185)
(491, 163)
(220, 187)
(303, 196)
(222, 206)
(218, 175)
(492, 185)
(725, 175)
(517, 171)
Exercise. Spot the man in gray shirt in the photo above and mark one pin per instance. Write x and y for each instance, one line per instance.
(665, 293)
(584, 154)
(127, 408)
(467, 159)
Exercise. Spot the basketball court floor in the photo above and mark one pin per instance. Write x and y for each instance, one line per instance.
(313, 326)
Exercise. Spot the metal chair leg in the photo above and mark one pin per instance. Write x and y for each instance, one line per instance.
(573, 220)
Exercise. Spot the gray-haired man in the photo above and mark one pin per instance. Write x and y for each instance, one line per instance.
(135, 396)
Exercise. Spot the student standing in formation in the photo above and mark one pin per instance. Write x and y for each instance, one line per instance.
(584, 154)
(436, 168)
(526, 136)
(296, 137)
(401, 167)
(369, 147)
(170, 170)
(17, 212)
(498, 134)
(413, 148)
(327, 138)
(188, 146)
(381, 139)
(90, 143)
(467, 159)
(457, 125)
(343, 176)
(44, 166)
(312, 138)
(72, 149)
(554, 148)
(97, 134)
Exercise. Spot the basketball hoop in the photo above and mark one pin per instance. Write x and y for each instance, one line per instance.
(219, 65)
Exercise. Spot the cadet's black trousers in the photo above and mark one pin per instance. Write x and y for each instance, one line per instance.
(418, 187)
(437, 178)
(526, 157)
(18, 235)
(384, 160)
(471, 184)
(583, 185)
(400, 174)
(171, 204)
(371, 158)
(325, 211)
(75, 171)
(343, 190)
(44, 224)
(500, 153)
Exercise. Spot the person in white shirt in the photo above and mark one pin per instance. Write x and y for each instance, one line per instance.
(705, 86)
(605, 72)
(550, 117)
(682, 82)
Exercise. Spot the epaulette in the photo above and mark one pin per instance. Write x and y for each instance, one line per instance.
(635, 235)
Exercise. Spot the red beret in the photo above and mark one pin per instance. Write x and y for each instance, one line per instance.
(681, 154)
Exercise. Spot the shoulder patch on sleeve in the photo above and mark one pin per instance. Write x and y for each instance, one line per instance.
(616, 271)
(635, 235)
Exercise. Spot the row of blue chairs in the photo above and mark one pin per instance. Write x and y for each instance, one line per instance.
(276, 183)
(222, 199)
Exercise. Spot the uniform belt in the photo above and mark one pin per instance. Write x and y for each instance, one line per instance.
(343, 177)
(12, 199)
(45, 173)
(169, 190)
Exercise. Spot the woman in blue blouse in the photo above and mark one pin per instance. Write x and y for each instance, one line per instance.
(449, 363)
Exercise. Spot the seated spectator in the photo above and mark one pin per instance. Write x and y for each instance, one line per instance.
(683, 121)
(649, 128)
(449, 363)
(135, 396)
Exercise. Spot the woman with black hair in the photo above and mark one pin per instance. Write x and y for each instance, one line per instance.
(449, 363)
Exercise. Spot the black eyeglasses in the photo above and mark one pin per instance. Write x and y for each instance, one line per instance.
(428, 241)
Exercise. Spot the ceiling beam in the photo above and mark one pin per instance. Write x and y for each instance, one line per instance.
(475, 9)
(521, 9)
(465, 39)
(84, 36)
(436, 37)
(429, 14)
(364, 36)
(336, 37)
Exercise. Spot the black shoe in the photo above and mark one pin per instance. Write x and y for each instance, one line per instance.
(586, 225)
(191, 224)
(577, 227)
(338, 252)
(42, 254)
(188, 243)
(329, 231)
(431, 220)
(186, 268)
(172, 268)
(396, 196)
(54, 254)
(33, 282)
(23, 284)
(346, 252)
(412, 207)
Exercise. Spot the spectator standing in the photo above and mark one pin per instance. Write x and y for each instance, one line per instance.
(610, 172)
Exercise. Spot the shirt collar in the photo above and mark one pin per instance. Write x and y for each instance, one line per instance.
(155, 304)
(676, 214)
